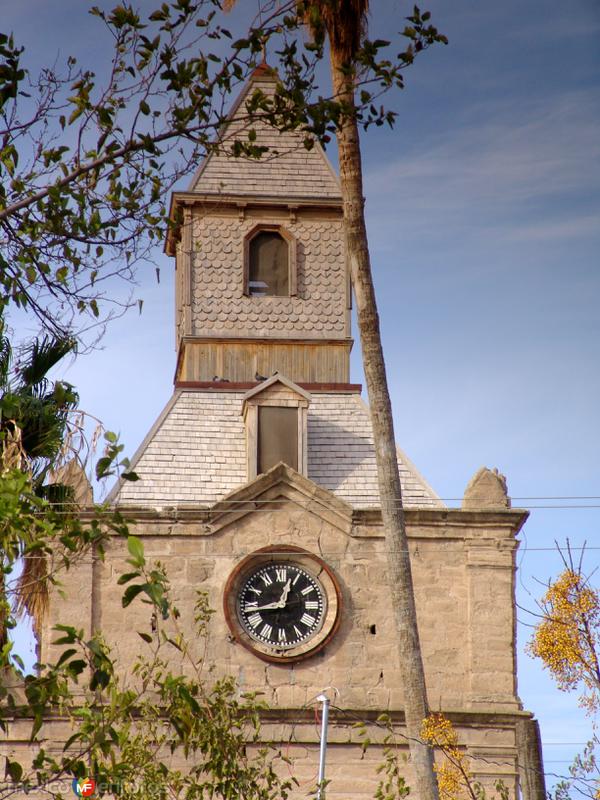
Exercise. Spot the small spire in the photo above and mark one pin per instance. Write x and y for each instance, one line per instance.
(264, 70)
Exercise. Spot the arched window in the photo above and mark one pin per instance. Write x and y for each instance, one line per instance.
(270, 258)
(268, 272)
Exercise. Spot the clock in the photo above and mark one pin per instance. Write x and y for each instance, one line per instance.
(282, 603)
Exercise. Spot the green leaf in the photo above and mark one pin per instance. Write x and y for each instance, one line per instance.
(136, 550)
(77, 666)
(100, 679)
(126, 577)
(130, 594)
(130, 476)
(70, 636)
(14, 770)
(65, 655)
(103, 466)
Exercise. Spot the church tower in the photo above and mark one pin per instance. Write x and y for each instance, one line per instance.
(258, 485)
(260, 270)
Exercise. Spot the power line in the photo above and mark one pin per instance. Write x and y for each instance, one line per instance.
(198, 506)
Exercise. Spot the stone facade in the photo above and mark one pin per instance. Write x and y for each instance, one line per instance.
(463, 566)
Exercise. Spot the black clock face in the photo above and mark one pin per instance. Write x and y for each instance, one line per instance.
(281, 605)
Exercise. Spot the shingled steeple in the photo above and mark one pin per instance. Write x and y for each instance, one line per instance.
(261, 277)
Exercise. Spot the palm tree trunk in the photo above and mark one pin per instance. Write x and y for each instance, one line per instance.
(399, 570)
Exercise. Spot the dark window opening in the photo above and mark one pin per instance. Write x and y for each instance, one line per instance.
(268, 270)
(373, 629)
(277, 437)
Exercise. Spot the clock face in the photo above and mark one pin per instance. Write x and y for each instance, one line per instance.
(281, 604)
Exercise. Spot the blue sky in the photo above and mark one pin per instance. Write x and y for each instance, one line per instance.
(483, 208)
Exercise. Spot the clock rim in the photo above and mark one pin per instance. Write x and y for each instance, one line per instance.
(292, 554)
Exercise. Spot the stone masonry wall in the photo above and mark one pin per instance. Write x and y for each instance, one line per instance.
(463, 567)
(463, 583)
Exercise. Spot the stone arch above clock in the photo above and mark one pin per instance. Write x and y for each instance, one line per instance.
(225, 332)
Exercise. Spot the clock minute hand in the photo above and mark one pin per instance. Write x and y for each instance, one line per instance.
(267, 607)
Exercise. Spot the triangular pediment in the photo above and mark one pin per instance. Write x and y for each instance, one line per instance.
(287, 170)
(276, 385)
(281, 484)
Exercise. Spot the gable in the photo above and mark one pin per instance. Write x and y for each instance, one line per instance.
(287, 170)
(277, 387)
(281, 484)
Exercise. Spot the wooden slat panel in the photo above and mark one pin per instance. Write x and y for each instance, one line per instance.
(238, 361)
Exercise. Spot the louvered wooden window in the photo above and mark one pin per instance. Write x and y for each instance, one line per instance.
(277, 437)
(269, 262)
(268, 270)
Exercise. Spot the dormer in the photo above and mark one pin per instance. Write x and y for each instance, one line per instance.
(275, 415)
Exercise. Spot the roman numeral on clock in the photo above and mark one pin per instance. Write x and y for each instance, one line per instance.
(309, 604)
(281, 635)
(255, 620)
(307, 590)
(266, 579)
(281, 575)
(266, 631)
(307, 620)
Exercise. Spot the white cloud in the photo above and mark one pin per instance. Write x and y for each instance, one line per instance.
(524, 170)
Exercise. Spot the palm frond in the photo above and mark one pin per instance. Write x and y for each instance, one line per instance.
(32, 596)
(5, 358)
(43, 354)
(4, 611)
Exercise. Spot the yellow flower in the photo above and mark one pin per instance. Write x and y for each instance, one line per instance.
(567, 638)
(453, 775)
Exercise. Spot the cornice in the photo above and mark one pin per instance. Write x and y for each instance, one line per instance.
(240, 203)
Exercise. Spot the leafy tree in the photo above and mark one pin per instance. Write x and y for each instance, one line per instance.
(87, 159)
(454, 777)
(85, 167)
(161, 731)
(567, 640)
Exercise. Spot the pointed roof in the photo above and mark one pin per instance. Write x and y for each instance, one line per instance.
(287, 170)
(196, 453)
